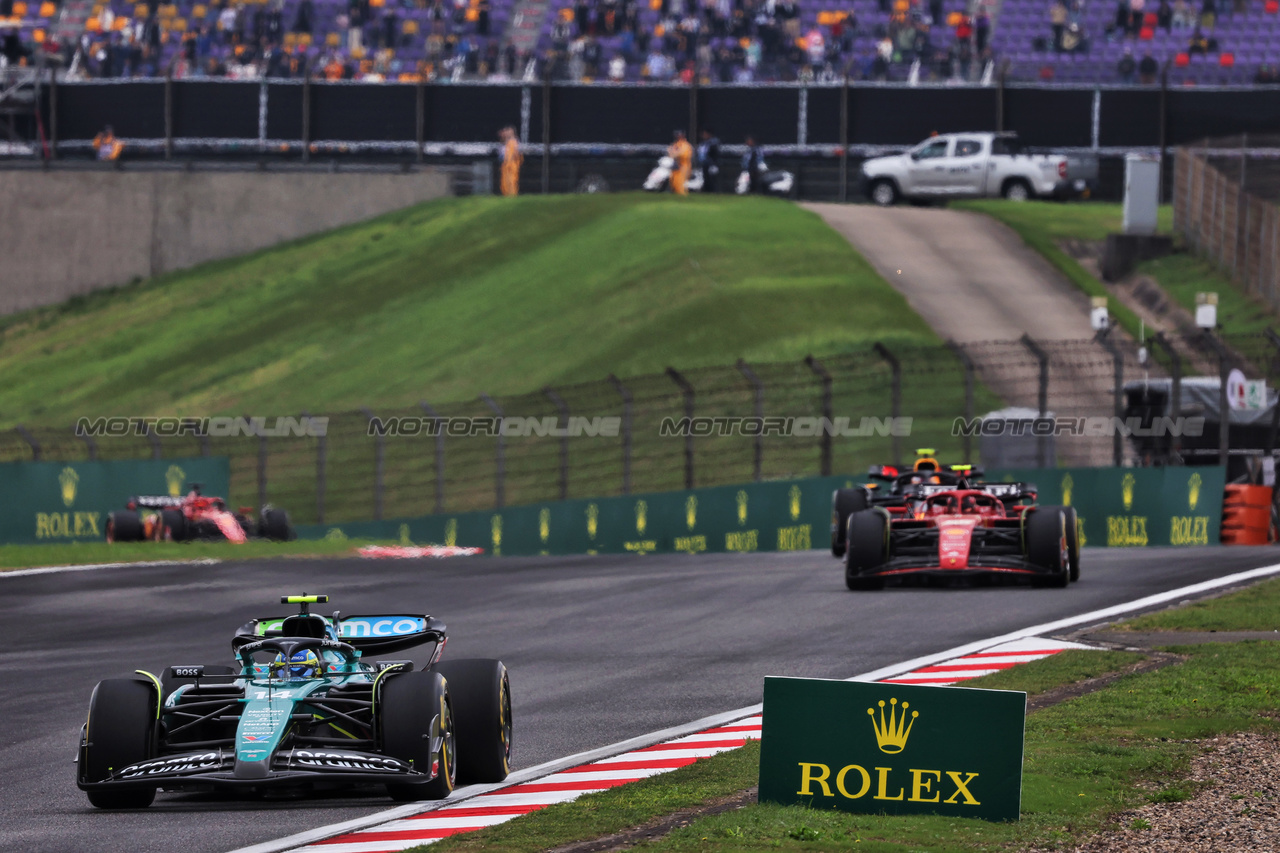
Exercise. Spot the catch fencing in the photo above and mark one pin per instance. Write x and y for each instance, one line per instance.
(360, 469)
(1224, 201)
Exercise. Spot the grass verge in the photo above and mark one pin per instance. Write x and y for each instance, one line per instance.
(86, 553)
(1086, 760)
(1255, 608)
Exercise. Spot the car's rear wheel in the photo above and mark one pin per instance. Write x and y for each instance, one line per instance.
(274, 524)
(1073, 543)
(865, 549)
(173, 526)
(883, 192)
(417, 725)
(1017, 190)
(125, 526)
(1046, 545)
(481, 694)
(844, 502)
(120, 732)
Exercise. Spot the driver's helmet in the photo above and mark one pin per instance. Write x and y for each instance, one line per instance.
(969, 506)
(303, 664)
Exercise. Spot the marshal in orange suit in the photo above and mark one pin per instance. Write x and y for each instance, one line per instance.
(682, 152)
(511, 161)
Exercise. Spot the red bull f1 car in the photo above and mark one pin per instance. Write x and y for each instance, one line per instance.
(302, 709)
(941, 531)
(162, 518)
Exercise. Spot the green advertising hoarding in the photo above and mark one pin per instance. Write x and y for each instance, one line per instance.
(1116, 507)
(876, 748)
(60, 502)
(1127, 507)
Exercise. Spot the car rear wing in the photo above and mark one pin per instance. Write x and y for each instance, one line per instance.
(155, 502)
(384, 634)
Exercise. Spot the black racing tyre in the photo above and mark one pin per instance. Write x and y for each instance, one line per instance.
(125, 526)
(883, 192)
(481, 695)
(1016, 189)
(274, 524)
(844, 502)
(169, 682)
(172, 526)
(865, 549)
(1046, 549)
(121, 731)
(414, 714)
(1073, 542)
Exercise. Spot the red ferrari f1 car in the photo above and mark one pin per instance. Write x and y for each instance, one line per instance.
(941, 531)
(174, 519)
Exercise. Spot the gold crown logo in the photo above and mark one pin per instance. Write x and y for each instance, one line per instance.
(794, 494)
(1067, 485)
(642, 517)
(1127, 482)
(68, 479)
(593, 521)
(451, 532)
(1193, 491)
(404, 535)
(892, 736)
(742, 507)
(544, 524)
(495, 530)
(175, 477)
(691, 511)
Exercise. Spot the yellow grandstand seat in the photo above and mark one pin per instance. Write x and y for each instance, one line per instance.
(304, 39)
(180, 24)
(38, 36)
(19, 9)
(331, 39)
(199, 11)
(357, 53)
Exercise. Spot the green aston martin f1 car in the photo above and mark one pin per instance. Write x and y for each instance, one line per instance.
(302, 709)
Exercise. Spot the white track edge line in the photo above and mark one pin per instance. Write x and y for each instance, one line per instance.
(91, 567)
(547, 768)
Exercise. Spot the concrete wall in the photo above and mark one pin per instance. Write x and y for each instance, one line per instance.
(64, 233)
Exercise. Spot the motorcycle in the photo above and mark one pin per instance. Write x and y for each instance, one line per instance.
(779, 182)
(660, 178)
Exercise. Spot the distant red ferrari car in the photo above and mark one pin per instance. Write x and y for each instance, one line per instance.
(994, 529)
(196, 516)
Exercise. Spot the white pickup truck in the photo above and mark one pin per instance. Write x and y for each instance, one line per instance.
(976, 165)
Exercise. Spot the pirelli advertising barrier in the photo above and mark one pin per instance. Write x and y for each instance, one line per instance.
(783, 515)
(1128, 507)
(69, 501)
(891, 748)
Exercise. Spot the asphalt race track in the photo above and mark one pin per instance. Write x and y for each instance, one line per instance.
(600, 649)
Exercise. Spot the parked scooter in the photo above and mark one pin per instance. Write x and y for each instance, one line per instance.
(780, 182)
(660, 178)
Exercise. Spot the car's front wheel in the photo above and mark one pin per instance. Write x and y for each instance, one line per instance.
(416, 720)
(865, 549)
(481, 694)
(120, 732)
(883, 192)
(1047, 545)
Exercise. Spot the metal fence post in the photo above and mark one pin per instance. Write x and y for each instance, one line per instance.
(37, 453)
(262, 470)
(1042, 397)
(895, 396)
(1224, 410)
(439, 433)
(379, 457)
(306, 112)
(843, 194)
(687, 391)
(563, 408)
(322, 454)
(1175, 397)
(1117, 358)
(758, 386)
(625, 394)
(89, 443)
(154, 441)
(820, 370)
(500, 477)
(967, 363)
